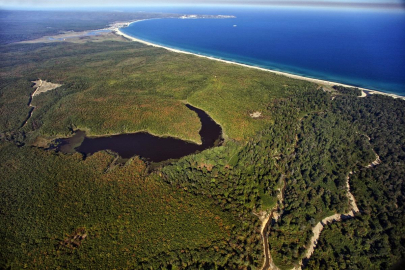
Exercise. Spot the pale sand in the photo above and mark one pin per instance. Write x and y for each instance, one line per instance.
(255, 114)
(375, 162)
(264, 218)
(116, 28)
(43, 86)
(319, 227)
(352, 200)
(363, 94)
(40, 86)
(336, 217)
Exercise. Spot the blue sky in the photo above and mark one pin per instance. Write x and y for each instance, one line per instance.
(105, 3)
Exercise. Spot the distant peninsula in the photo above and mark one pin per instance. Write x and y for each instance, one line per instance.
(304, 173)
(207, 17)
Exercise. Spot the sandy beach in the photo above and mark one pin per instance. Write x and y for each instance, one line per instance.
(116, 28)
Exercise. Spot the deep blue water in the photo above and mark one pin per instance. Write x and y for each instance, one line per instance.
(364, 48)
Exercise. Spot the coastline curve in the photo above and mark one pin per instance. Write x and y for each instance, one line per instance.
(117, 30)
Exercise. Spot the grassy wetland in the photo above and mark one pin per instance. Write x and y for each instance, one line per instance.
(201, 211)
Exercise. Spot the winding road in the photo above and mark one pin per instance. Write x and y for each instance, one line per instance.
(40, 87)
(268, 262)
(266, 220)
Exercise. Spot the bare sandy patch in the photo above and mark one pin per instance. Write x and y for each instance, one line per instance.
(43, 86)
(363, 94)
(255, 114)
(40, 86)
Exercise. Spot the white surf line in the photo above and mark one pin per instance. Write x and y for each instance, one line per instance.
(117, 30)
(265, 220)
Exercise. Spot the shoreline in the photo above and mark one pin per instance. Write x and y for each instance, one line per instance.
(365, 92)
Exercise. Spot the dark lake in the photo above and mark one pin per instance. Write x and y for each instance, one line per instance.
(151, 147)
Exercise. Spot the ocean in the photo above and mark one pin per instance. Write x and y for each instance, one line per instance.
(364, 48)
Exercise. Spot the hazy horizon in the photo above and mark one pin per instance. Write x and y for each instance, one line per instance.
(77, 4)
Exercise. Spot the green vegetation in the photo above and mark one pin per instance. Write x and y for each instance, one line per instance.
(347, 91)
(116, 87)
(27, 25)
(374, 239)
(92, 97)
(327, 150)
(130, 219)
(62, 211)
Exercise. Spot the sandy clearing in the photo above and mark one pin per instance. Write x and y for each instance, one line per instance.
(255, 114)
(115, 28)
(43, 86)
(265, 218)
(363, 94)
(40, 86)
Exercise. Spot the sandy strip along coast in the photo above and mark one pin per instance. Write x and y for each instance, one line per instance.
(116, 28)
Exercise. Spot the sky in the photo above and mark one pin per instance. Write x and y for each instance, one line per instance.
(105, 3)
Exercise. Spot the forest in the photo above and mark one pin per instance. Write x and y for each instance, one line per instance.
(69, 211)
(375, 238)
(20, 25)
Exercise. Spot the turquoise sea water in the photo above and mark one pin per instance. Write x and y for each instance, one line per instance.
(364, 48)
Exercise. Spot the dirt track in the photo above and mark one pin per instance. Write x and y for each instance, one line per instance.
(40, 87)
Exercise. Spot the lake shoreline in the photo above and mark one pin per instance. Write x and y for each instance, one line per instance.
(152, 147)
(365, 92)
